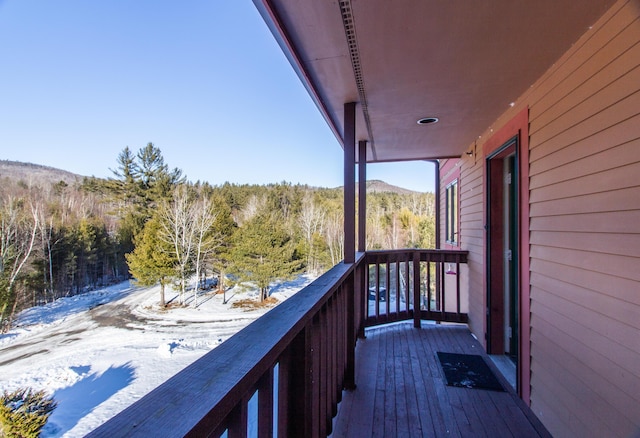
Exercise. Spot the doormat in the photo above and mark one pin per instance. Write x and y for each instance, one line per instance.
(468, 371)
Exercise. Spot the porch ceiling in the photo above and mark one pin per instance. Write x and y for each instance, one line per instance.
(459, 60)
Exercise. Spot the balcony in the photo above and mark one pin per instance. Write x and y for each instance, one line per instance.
(323, 363)
(401, 391)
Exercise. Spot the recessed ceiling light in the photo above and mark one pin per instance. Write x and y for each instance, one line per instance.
(427, 120)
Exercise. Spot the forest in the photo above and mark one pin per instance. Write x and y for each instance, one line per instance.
(149, 223)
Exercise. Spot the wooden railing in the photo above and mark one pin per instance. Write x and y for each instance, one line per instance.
(283, 375)
(393, 287)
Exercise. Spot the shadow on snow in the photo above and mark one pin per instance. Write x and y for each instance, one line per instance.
(78, 400)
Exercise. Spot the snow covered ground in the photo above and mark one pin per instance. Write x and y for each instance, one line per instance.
(99, 352)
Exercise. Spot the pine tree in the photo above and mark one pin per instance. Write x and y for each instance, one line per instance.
(143, 182)
(24, 412)
(263, 251)
(152, 261)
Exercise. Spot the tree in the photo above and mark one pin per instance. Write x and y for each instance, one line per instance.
(263, 251)
(152, 260)
(155, 178)
(224, 227)
(18, 232)
(311, 220)
(142, 183)
(206, 239)
(177, 230)
(24, 412)
(334, 236)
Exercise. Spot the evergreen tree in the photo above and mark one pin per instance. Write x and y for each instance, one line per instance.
(156, 180)
(142, 183)
(24, 412)
(263, 251)
(152, 261)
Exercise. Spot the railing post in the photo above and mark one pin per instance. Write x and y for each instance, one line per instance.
(362, 294)
(265, 405)
(458, 285)
(350, 371)
(443, 292)
(238, 420)
(407, 291)
(294, 388)
(313, 380)
(416, 289)
(429, 285)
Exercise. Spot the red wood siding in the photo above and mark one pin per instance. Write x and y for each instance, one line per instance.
(584, 231)
(471, 179)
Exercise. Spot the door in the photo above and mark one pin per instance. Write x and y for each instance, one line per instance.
(502, 251)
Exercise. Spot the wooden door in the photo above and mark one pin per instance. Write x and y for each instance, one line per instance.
(502, 251)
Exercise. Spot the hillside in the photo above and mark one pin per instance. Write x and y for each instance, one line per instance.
(377, 186)
(36, 174)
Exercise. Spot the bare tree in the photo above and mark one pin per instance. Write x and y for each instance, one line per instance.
(254, 205)
(311, 221)
(177, 230)
(375, 229)
(18, 234)
(205, 240)
(409, 224)
(335, 236)
(394, 237)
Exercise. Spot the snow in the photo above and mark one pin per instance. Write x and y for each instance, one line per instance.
(99, 352)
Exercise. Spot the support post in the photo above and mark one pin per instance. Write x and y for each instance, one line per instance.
(439, 276)
(416, 290)
(362, 195)
(349, 182)
(436, 172)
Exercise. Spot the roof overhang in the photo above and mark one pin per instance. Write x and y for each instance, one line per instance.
(461, 61)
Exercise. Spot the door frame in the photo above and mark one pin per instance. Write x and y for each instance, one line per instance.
(503, 277)
(517, 125)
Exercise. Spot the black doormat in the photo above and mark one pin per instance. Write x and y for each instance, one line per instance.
(468, 371)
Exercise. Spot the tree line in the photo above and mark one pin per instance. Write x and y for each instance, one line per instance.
(150, 223)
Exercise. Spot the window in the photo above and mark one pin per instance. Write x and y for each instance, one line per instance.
(452, 215)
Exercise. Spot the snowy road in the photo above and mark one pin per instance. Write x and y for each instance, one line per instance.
(99, 352)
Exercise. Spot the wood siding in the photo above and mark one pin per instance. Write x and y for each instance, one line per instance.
(472, 220)
(584, 231)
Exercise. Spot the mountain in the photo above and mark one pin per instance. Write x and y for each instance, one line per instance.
(35, 174)
(377, 186)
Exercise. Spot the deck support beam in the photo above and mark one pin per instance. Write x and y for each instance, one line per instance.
(349, 182)
(362, 195)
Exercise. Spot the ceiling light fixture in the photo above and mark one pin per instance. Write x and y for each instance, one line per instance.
(427, 120)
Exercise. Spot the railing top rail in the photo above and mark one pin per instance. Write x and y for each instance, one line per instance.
(207, 390)
(406, 254)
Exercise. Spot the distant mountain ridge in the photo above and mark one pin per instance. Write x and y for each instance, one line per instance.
(36, 173)
(377, 186)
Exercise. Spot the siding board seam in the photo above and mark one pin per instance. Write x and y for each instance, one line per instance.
(575, 50)
(627, 389)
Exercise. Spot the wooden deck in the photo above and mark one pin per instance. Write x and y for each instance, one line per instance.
(401, 390)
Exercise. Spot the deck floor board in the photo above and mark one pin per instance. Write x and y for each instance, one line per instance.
(401, 390)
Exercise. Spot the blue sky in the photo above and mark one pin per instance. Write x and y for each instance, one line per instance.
(203, 80)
